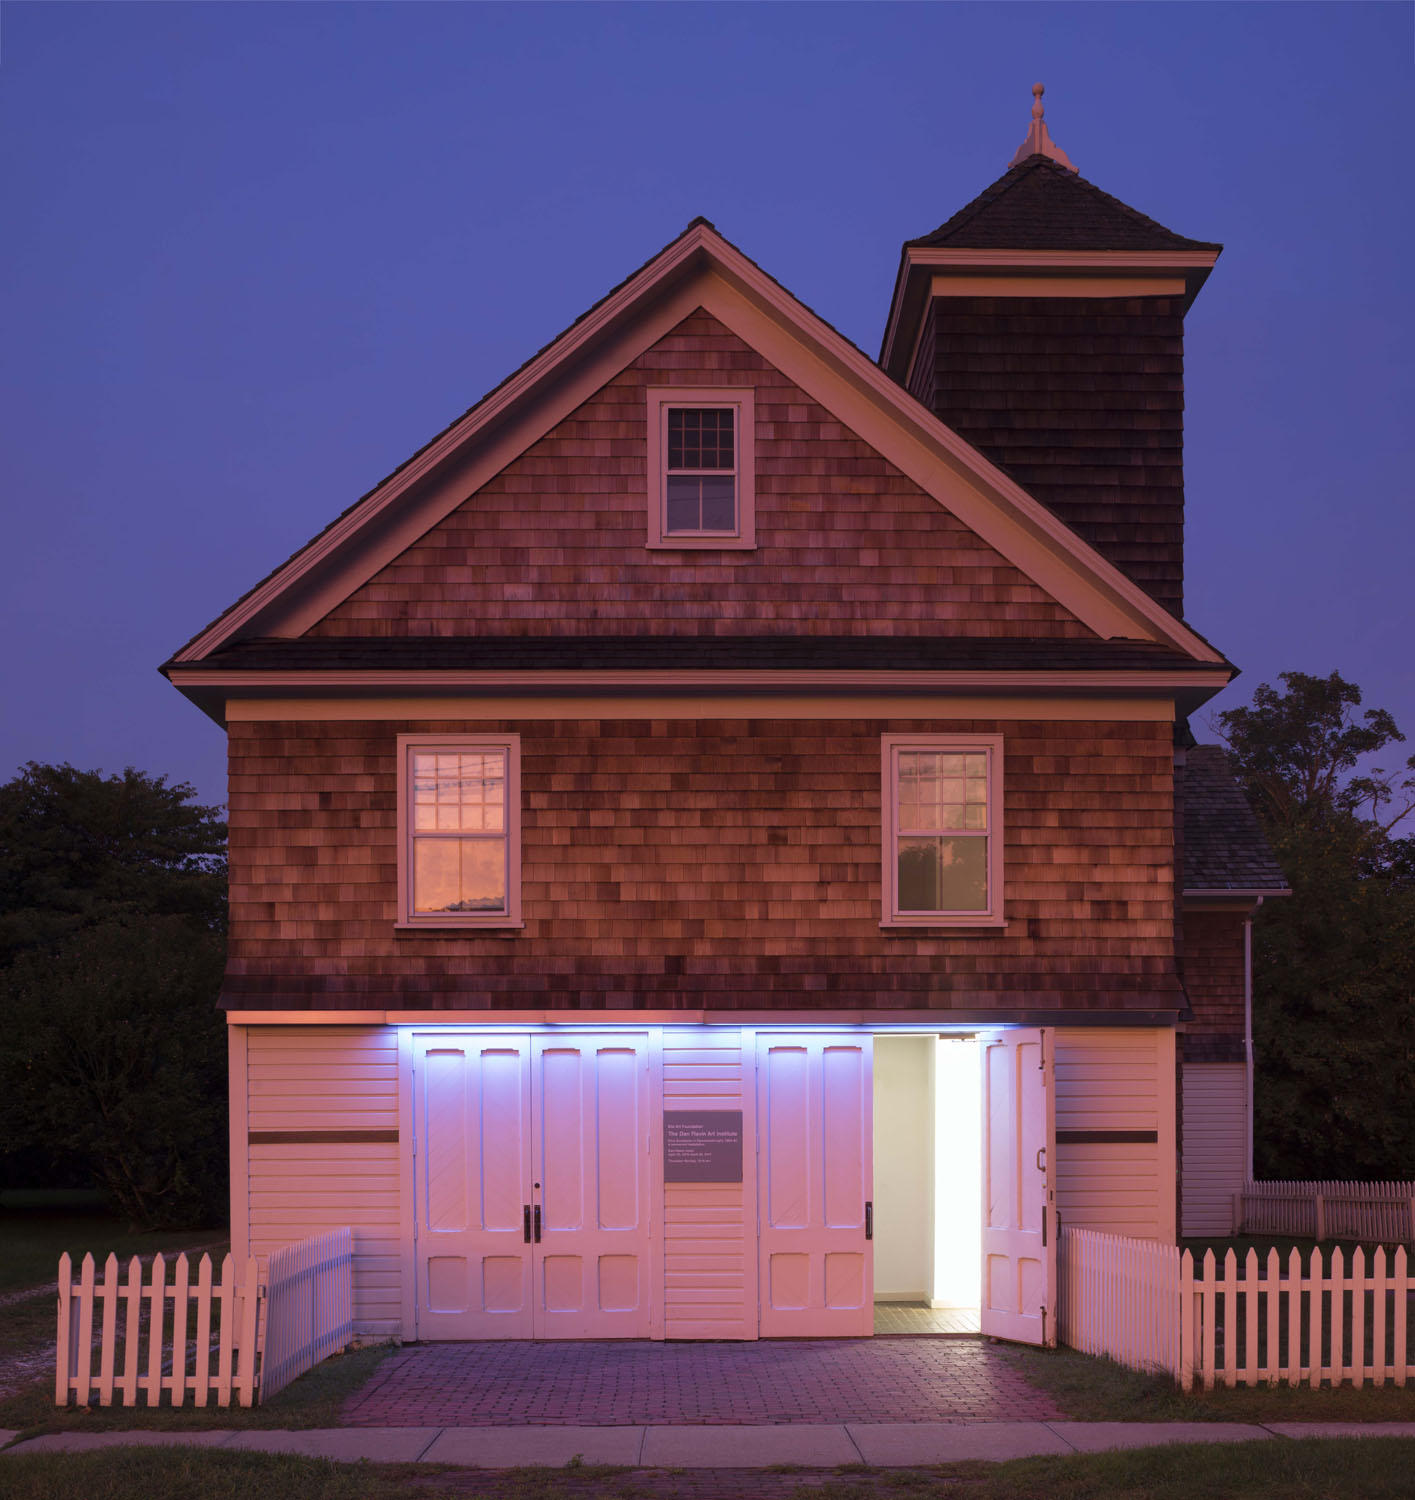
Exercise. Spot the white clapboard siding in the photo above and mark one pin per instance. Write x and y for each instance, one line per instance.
(1214, 1145)
(1116, 1079)
(710, 1248)
(329, 1078)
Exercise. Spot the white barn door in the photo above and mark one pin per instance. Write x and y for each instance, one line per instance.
(1019, 1216)
(815, 1113)
(593, 1268)
(472, 1160)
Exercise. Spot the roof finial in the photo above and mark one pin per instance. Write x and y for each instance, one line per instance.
(1038, 141)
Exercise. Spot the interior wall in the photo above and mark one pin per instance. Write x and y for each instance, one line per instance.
(904, 1167)
(958, 1174)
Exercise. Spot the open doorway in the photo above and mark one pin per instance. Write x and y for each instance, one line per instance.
(927, 1184)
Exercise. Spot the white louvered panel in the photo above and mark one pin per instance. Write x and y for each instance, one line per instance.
(709, 1251)
(1215, 1151)
(322, 1078)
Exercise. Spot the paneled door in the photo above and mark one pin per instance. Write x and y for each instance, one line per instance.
(472, 1177)
(591, 1152)
(1019, 1214)
(815, 1112)
(531, 1186)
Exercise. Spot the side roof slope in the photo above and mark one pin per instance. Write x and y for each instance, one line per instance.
(1040, 205)
(1224, 844)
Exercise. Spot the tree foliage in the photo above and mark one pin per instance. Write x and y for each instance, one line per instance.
(78, 848)
(1334, 963)
(113, 1051)
(112, 945)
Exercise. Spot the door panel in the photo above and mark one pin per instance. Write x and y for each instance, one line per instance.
(815, 1114)
(1019, 1221)
(591, 1155)
(473, 1169)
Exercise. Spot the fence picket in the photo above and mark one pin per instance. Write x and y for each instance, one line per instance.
(249, 1338)
(202, 1372)
(1294, 1317)
(132, 1331)
(226, 1292)
(1357, 1363)
(62, 1353)
(1401, 1312)
(109, 1293)
(83, 1345)
(1268, 1369)
(1337, 1318)
(1315, 1320)
(156, 1322)
(181, 1286)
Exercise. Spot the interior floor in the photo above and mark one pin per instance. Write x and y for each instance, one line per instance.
(919, 1317)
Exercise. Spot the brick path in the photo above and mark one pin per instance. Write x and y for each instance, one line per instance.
(630, 1383)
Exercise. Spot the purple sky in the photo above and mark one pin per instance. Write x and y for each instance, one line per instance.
(255, 255)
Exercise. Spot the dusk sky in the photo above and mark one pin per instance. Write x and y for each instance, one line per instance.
(255, 255)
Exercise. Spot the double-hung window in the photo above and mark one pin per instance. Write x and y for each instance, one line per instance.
(942, 802)
(701, 462)
(459, 827)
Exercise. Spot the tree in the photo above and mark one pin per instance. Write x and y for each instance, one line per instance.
(113, 1050)
(78, 848)
(112, 923)
(1334, 964)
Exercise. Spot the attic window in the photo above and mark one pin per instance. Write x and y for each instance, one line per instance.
(700, 468)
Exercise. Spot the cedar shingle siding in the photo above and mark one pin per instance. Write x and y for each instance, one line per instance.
(1081, 401)
(1213, 980)
(846, 545)
(722, 863)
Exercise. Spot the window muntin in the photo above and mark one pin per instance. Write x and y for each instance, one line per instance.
(701, 489)
(942, 846)
(460, 826)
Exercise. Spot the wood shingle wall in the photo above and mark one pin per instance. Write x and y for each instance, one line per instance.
(1081, 400)
(1213, 980)
(687, 863)
(554, 545)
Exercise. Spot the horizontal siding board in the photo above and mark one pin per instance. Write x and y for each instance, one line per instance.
(1215, 1146)
(320, 1079)
(1108, 1082)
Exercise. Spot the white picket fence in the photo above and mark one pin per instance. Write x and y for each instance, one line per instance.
(1120, 1298)
(1275, 1321)
(147, 1351)
(309, 1307)
(160, 1334)
(1374, 1211)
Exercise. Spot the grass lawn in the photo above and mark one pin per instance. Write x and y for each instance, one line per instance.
(1373, 1468)
(1097, 1390)
(37, 1226)
(314, 1400)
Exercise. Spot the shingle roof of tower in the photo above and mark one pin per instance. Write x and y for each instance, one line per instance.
(1040, 205)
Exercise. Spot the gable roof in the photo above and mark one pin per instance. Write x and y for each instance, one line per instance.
(1225, 848)
(698, 269)
(1041, 205)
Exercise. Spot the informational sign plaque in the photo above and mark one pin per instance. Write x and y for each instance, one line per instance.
(702, 1145)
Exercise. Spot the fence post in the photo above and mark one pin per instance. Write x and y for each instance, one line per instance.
(61, 1349)
(1238, 1213)
(1319, 1199)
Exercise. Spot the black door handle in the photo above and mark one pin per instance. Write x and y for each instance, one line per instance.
(526, 1223)
(537, 1223)
(869, 1221)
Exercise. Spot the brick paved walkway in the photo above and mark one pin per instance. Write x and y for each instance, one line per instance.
(629, 1383)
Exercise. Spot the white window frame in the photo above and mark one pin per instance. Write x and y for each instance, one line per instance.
(948, 744)
(409, 918)
(743, 537)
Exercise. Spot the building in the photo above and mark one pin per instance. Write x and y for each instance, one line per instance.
(705, 840)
